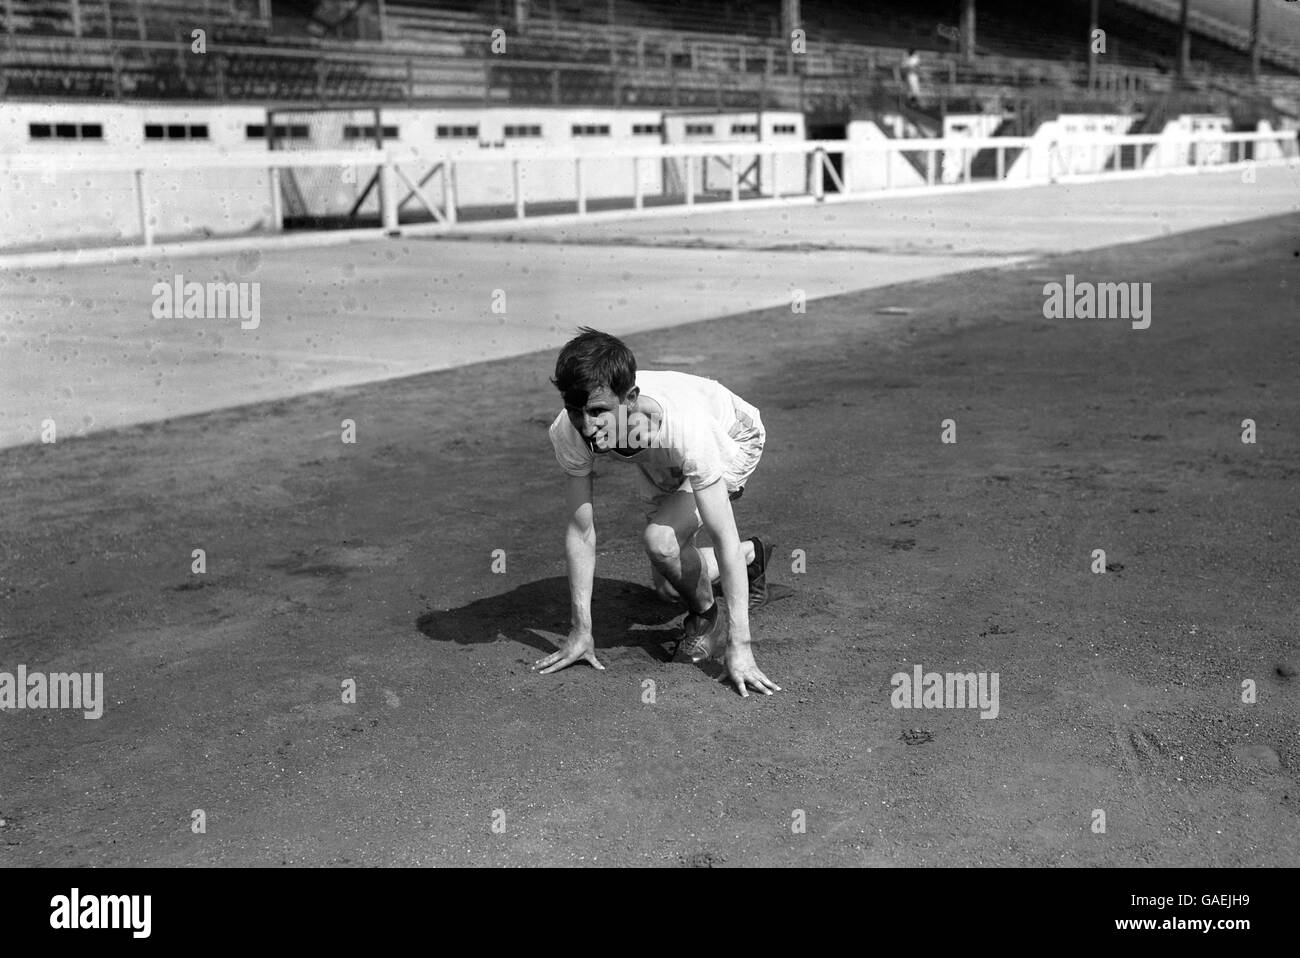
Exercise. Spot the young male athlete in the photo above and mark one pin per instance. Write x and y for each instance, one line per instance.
(695, 444)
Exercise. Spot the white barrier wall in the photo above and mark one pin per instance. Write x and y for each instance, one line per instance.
(480, 133)
(1040, 162)
(70, 192)
(875, 171)
(756, 173)
(47, 208)
(1270, 151)
(956, 163)
(88, 208)
(536, 131)
(1175, 153)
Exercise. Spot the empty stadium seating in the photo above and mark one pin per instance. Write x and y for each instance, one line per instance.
(133, 19)
(609, 52)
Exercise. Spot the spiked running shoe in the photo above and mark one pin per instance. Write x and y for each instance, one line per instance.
(706, 635)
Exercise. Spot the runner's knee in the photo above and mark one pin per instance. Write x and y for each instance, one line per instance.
(661, 544)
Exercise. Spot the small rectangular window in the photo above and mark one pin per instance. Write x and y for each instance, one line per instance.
(699, 129)
(153, 131)
(590, 129)
(744, 128)
(257, 131)
(352, 132)
(522, 130)
(459, 132)
(785, 128)
(647, 129)
(198, 131)
(66, 131)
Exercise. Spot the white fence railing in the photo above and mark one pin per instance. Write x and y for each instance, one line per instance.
(502, 185)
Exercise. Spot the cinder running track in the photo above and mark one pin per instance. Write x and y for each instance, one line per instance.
(80, 346)
(372, 562)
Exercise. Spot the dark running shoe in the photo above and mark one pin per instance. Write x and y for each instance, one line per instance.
(756, 571)
(706, 635)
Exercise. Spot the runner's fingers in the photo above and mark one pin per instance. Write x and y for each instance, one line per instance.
(758, 682)
(556, 661)
(563, 663)
(542, 663)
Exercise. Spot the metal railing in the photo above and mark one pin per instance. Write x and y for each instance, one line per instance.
(824, 170)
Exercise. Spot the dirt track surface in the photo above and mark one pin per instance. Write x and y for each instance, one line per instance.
(326, 562)
(81, 345)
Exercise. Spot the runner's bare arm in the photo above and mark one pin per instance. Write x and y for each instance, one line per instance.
(580, 551)
(720, 521)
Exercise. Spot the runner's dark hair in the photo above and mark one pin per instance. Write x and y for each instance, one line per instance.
(590, 360)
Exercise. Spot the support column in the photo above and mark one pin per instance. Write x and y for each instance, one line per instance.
(276, 224)
(387, 194)
(1184, 43)
(791, 18)
(1254, 42)
(1092, 31)
(142, 208)
(968, 30)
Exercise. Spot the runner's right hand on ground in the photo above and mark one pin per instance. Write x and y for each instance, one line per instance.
(579, 645)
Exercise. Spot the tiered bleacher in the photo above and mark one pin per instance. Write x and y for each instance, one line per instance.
(610, 52)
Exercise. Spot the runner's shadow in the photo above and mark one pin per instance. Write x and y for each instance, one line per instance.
(622, 613)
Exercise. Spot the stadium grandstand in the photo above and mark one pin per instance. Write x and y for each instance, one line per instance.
(642, 52)
(322, 74)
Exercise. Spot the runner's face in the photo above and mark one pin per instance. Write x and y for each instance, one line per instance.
(597, 421)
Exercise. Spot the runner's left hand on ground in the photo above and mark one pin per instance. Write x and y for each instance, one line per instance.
(744, 671)
(579, 645)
